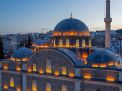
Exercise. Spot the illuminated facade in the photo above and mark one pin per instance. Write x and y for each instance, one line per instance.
(66, 62)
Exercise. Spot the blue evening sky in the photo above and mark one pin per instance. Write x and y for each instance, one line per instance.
(24, 16)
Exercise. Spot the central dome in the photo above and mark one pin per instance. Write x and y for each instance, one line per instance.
(71, 24)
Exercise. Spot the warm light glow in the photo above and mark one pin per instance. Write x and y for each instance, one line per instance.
(60, 43)
(24, 59)
(29, 69)
(48, 87)
(41, 71)
(54, 44)
(56, 73)
(90, 44)
(5, 86)
(110, 78)
(103, 65)
(64, 71)
(71, 74)
(71, 33)
(13, 59)
(83, 43)
(18, 59)
(48, 66)
(5, 66)
(18, 89)
(34, 68)
(77, 43)
(18, 68)
(67, 43)
(87, 76)
(117, 64)
(11, 82)
(34, 86)
(95, 65)
(84, 55)
(64, 88)
(110, 64)
(85, 61)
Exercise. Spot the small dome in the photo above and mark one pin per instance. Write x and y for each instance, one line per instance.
(40, 41)
(22, 53)
(70, 24)
(103, 58)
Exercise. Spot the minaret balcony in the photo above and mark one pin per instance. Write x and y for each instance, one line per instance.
(107, 19)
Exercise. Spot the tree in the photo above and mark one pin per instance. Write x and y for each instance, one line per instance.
(1, 49)
(29, 42)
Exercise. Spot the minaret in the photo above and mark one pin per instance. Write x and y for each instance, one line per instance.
(107, 21)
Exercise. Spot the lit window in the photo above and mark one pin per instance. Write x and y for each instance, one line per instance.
(83, 43)
(64, 71)
(18, 68)
(29, 69)
(64, 88)
(77, 43)
(11, 82)
(34, 68)
(71, 74)
(5, 86)
(56, 73)
(84, 55)
(90, 43)
(110, 78)
(67, 42)
(48, 66)
(41, 71)
(60, 42)
(87, 76)
(54, 43)
(18, 89)
(95, 65)
(48, 87)
(34, 86)
(5, 66)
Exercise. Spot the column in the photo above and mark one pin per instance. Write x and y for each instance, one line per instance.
(24, 82)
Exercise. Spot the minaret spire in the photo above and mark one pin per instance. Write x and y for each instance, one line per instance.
(71, 15)
(107, 21)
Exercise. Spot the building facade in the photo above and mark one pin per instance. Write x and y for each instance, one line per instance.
(65, 62)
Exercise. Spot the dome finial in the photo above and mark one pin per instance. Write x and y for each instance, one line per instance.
(71, 15)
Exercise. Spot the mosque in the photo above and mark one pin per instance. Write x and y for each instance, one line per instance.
(66, 62)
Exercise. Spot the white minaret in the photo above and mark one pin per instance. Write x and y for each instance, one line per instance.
(107, 21)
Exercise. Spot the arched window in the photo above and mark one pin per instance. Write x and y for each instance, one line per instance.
(48, 66)
(11, 82)
(48, 87)
(34, 86)
(67, 42)
(64, 88)
(34, 68)
(64, 70)
(60, 42)
(90, 43)
(77, 43)
(54, 43)
(83, 43)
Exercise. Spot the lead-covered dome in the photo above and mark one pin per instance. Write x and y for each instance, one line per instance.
(21, 54)
(104, 58)
(70, 25)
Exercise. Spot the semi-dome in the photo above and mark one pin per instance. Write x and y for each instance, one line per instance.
(70, 25)
(21, 54)
(103, 58)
